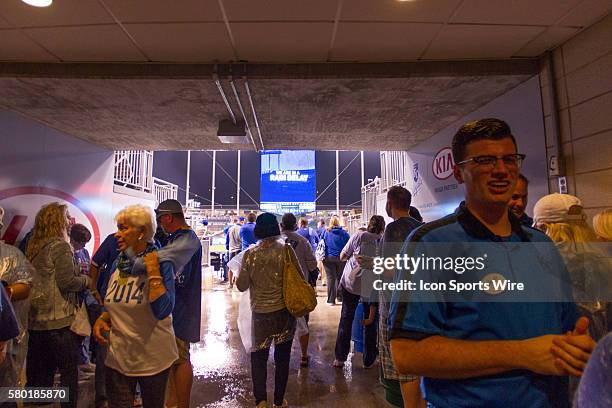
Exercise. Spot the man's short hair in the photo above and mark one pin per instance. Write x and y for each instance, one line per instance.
(251, 217)
(80, 234)
(525, 179)
(303, 222)
(322, 221)
(288, 222)
(482, 129)
(400, 198)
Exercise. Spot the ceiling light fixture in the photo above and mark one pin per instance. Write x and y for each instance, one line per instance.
(38, 3)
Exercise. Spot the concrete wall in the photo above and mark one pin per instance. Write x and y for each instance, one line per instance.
(521, 108)
(39, 165)
(583, 80)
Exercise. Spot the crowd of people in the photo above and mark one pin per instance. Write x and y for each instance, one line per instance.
(142, 298)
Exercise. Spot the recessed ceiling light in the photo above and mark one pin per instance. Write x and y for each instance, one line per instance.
(38, 3)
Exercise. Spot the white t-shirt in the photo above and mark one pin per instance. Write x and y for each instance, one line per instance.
(140, 344)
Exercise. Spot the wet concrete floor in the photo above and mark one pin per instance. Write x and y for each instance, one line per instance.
(222, 372)
(222, 367)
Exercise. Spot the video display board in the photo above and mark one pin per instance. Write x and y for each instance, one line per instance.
(288, 181)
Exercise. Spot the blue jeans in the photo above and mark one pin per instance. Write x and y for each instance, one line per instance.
(343, 339)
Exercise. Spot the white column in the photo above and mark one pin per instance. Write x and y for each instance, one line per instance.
(212, 198)
(337, 183)
(238, 187)
(188, 171)
(362, 171)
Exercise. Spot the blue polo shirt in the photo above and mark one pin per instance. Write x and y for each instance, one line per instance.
(247, 235)
(481, 320)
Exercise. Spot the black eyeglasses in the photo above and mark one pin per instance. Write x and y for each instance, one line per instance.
(510, 160)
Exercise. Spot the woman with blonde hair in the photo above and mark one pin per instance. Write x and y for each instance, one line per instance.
(602, 224)
(52, 345)
(335, 239)
(137, 326)
(562, 218)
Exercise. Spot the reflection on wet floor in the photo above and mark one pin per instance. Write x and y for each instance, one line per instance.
(222, 367)
(222, 376)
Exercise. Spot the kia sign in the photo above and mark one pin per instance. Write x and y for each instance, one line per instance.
(442, 165)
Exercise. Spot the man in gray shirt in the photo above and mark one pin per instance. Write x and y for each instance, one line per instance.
(303, 252)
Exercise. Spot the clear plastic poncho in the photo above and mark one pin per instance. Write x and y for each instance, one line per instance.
(245, 315)
(15, 268)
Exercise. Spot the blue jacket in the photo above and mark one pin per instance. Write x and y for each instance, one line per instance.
(335, 240)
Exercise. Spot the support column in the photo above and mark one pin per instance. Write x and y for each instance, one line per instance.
(212, 198)
(238, 187)
(362, 171)
(188, 171)
(338, 183)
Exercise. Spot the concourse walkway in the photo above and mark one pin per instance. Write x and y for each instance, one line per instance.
(222, 367)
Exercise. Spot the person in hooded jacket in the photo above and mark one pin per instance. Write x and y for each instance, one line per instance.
(335, 239)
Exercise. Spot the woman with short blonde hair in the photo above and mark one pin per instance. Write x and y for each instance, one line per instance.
(137, 324)
(602, 224)
(52, 345)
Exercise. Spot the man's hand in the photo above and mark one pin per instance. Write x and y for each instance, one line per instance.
(573, 350)
(100, 328)
(152, 264)
(538, 355)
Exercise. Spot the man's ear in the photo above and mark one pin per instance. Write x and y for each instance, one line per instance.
(457, 173)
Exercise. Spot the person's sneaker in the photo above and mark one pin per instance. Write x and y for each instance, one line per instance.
(338, 363)
(284, 405)
(262, 404)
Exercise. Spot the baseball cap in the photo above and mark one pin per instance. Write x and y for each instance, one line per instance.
(168, 207)
(558, 208)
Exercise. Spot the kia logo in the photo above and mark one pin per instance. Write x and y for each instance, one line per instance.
(442, 165)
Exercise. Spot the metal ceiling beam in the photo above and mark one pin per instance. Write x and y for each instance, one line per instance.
(516, 66)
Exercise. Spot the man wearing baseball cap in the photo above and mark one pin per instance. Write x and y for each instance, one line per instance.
(185, 251)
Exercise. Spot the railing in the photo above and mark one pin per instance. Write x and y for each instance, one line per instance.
(134, 169)
(369, 192)
(394, 169)
(164, 190)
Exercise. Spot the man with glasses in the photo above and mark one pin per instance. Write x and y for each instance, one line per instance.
(488, 349)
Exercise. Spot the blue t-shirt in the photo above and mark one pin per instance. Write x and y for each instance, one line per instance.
(185, 252)
(482, 320)
(247, 235)
(104, 258)
(312, 238)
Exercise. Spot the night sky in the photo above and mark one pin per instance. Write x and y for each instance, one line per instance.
(171, 166)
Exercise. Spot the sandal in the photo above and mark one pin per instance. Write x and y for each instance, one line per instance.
(305, 361)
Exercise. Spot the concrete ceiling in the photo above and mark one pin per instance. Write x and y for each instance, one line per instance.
(321, 106)
(324, 74)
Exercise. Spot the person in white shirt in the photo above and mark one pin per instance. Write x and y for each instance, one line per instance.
(137, 324)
